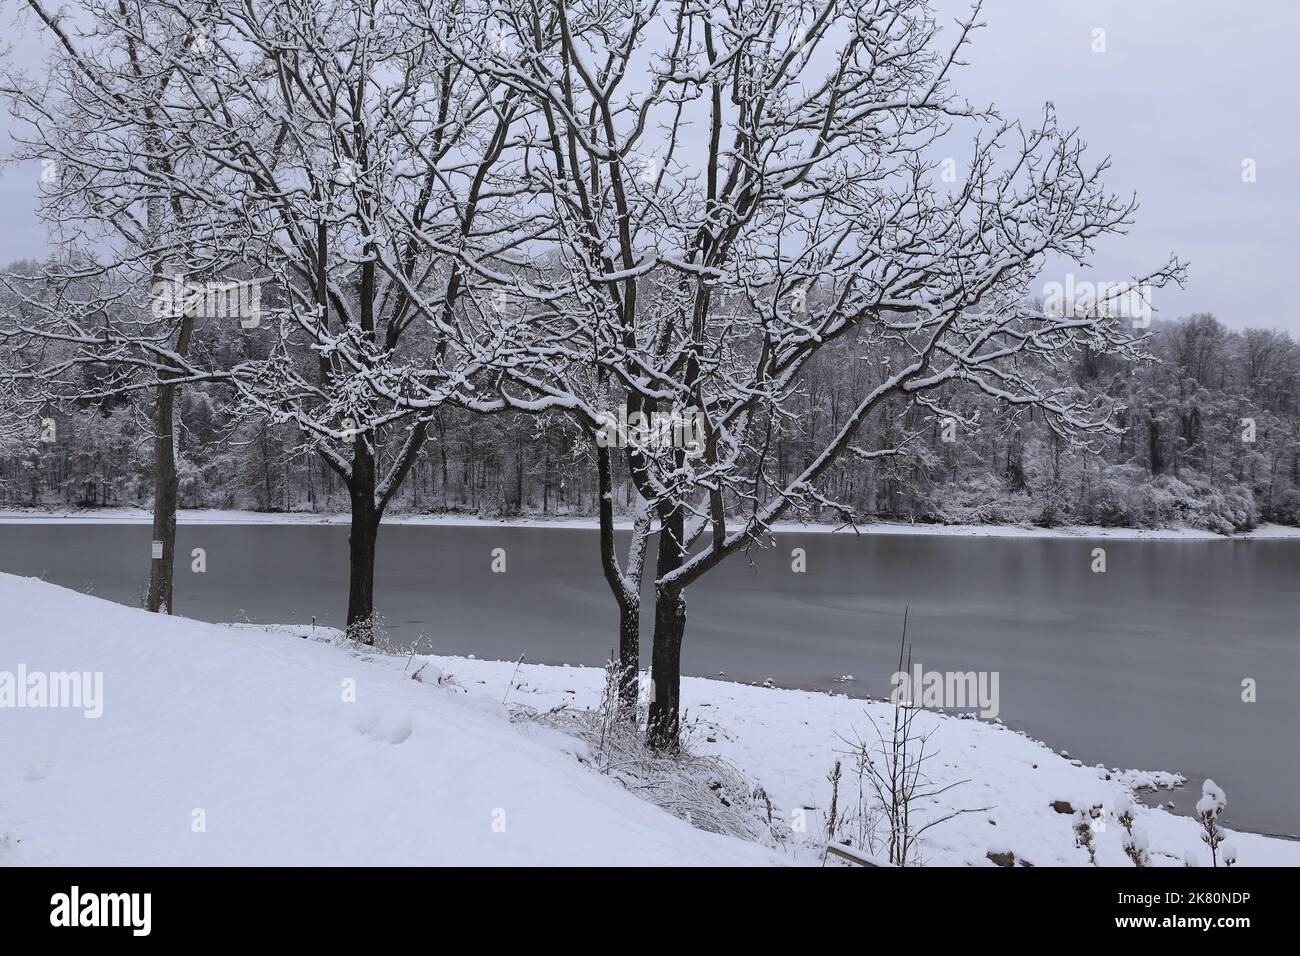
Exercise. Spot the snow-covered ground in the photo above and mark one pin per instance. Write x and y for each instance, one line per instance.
(788, 740)
(201, 516)
(247, 731)
(251, 731)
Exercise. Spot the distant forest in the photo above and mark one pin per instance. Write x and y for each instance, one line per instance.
(1208, 436)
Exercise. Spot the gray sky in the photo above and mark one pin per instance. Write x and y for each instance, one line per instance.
(1185, 90)
(1183, 93)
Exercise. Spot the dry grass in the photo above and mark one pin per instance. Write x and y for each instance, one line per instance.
(704, 790)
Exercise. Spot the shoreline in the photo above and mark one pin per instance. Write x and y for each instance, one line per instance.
(214, 516)
(1148, 785)
(565, 685)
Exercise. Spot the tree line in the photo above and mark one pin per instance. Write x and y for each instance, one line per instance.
(1184, 455)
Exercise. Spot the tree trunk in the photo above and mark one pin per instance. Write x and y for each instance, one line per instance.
(162, 567)
(629, 655)
(361, 546)
(625, 593)
(267, 494)
(162, 570)
(519, 475)
(670, 626)
(442, 455)
(664, 728)
(1157, 459)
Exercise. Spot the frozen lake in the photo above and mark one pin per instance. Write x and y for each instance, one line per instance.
(1139, 667)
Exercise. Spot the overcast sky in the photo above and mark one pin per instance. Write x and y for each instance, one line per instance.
(1183, 93)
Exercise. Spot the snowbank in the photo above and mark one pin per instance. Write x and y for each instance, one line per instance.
(787, 741)
(204, 516)
(247, 730)
(247, 733)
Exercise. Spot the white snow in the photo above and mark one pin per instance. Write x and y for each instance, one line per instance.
(248, 725)
(249, 728)
(787, 741)
(1212, 799)
(207, 516)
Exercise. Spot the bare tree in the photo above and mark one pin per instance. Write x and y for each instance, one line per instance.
(361, 185)
(770, 183)
(639, 209)
(118, 162)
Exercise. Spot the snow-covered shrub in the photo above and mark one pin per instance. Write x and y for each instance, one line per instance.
(1136, 846)
(1225, 510)
(1208, 809)
(1088, 823)
(1109, 499)
(980, 499)
(1125, 496)
(1286, 508)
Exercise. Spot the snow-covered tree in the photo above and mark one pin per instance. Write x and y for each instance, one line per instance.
(372, 184)
(17, 427)
(1212, 803)
(734, 187)
(362, 188)
(123, 177)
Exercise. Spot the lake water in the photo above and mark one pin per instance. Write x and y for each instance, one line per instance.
(1141, 666)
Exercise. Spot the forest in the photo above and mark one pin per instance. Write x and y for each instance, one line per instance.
(1208, 437)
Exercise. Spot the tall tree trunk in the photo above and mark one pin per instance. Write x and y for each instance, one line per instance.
(267, 493)
(519, 474)
(629, 654)
(361, 545)
(162, 566)
(625, 593)
(1015, 472)
(1157, 459)
(663, 732)
(442, 452)
(162, 569)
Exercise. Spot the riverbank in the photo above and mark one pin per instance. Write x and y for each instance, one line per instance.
(1008, 789)
(294, 750)
(208, 516)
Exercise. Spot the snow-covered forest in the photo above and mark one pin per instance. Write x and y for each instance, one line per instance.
(1177, 460)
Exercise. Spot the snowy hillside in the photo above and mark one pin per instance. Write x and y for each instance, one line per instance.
(227, 745)
(251, 729)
